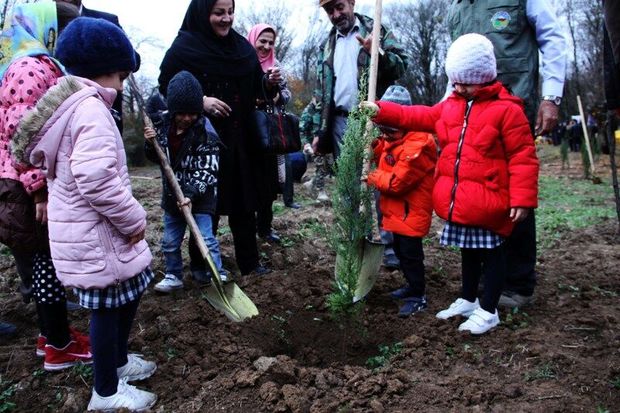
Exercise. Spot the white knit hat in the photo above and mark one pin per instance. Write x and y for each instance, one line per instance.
(471, 60)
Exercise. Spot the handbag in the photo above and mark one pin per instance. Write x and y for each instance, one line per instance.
(277, 130)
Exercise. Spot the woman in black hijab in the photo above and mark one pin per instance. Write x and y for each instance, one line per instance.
(226, 66)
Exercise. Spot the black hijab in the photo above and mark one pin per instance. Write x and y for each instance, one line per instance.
(199, 50)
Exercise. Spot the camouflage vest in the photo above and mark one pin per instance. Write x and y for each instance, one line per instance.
(505, 23)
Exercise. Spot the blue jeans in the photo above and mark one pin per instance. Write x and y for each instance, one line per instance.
(174, 231)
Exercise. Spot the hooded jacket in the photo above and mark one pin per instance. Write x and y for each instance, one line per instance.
(23, 84)
(404, 177)
(72, 137)
(488, 160)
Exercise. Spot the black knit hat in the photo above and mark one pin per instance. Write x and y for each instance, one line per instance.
(184, 94)
(91, 47)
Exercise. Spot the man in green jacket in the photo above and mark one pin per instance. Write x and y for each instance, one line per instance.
(344, 58)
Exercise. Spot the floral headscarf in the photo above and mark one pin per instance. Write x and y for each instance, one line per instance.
(32, 30)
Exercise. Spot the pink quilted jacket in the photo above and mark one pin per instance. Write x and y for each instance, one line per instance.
(71, 135)
(23, 84)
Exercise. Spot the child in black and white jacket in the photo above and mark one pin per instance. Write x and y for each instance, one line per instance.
(191, 145)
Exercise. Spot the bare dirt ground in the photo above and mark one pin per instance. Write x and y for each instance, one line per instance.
(560, 355)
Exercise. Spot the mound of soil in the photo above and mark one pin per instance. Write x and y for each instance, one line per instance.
(561, 354)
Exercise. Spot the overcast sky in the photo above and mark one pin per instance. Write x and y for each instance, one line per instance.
(161, 19)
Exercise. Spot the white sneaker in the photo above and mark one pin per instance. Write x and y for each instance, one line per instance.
(169, 283)
(480, 321)
(126, 397)
(136, 368)
(460, 307)
(322, 197)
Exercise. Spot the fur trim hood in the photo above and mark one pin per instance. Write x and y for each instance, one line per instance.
(39, 133)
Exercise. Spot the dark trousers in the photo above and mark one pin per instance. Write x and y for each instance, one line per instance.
(488, 262)
(264, 217)
(521, 257)
(287, 187)
(51, 314)
(411, 255)
(196, 261)
(109, 336)
(243, 228)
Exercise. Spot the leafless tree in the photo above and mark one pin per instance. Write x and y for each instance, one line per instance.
(584, 22)
(421, 30)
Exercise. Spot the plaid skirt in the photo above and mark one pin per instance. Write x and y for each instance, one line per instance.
(115, 296)
(462, 236)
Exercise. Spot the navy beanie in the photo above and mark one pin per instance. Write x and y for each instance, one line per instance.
(184, 94)
(91, 47)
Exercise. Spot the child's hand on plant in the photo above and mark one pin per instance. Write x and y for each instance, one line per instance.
(371, 107)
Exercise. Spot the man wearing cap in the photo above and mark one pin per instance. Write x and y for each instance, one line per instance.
(519, 31)
(344, 57)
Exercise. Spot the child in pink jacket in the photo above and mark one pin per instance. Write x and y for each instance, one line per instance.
(96, 226)
(27, 71)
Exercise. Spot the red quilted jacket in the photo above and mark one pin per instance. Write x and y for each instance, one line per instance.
(488, 160)
(404, 177)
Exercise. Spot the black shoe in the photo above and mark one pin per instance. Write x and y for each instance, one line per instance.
(73, 306)
(272, 237)
(260, 270)
(401, 293)
(293, 205)
(7, 330)
(412, 305)
(391, 262)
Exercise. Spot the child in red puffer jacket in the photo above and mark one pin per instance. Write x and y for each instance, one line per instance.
(404, 178)
(487, 175)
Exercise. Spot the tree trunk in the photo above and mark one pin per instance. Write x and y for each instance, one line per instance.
(611, 140)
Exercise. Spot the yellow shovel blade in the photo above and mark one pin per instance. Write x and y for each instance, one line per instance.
(372, 257)
(231, 301)
(370, 254)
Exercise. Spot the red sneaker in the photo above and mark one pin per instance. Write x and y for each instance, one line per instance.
(75, 335)
(41, 342)
(73, 353)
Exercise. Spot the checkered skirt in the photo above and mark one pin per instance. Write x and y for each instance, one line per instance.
(462, 236)
(115, 295)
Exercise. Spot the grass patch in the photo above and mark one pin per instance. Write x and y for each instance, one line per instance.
(83, 370)
(6, 405)
(385, 354)
(569, 204)
(543, 372)
(312, 228)
(516, 319)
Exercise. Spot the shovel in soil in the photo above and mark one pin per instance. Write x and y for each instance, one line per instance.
(227, 298)
(370, 252)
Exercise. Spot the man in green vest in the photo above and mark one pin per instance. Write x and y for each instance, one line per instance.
(519, 30)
